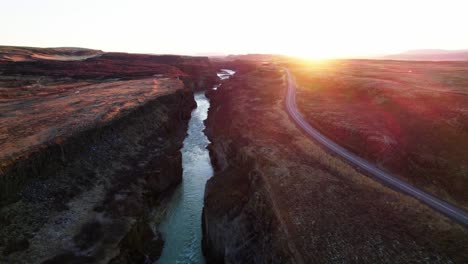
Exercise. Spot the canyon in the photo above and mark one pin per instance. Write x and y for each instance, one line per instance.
(295, 202)
(120, 158)
(90, 151)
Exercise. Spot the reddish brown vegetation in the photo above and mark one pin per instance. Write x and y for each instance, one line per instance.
(278, 197)
(104, 66)
(409, 117)
(89, 146)
(43, 99)
(11, 53)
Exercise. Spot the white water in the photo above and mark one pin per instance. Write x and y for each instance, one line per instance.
(181, 227)
(225, 74)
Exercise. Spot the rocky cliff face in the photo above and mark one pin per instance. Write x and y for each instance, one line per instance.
(240, 222)
(90, 189)
(278, 197)
(45, 102)
(85, 175)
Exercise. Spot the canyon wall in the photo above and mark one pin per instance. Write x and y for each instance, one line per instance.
(108, 178)
(240, 221)
(279, 197)
(88, 161)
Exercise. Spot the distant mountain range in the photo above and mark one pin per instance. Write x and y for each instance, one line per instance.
(431, 55)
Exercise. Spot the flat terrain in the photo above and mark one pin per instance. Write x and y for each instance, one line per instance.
(410, 118)
(17, 54)
(296, 203)
(53, 109)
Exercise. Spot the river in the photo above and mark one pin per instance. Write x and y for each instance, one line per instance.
(181, 226)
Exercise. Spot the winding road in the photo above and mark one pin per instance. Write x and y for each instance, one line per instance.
(444, 207)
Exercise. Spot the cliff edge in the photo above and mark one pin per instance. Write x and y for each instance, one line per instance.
(90, 149)
(278, 197)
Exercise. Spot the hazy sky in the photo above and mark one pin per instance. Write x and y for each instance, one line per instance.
(309, 28)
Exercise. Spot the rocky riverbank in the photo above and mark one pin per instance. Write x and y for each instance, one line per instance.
(278, 197)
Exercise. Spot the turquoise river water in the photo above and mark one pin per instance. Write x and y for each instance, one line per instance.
(181, 226)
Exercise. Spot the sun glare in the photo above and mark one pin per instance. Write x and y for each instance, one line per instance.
(337, 29)
(310, 29)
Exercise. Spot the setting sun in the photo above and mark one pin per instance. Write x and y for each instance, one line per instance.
(315, 29)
